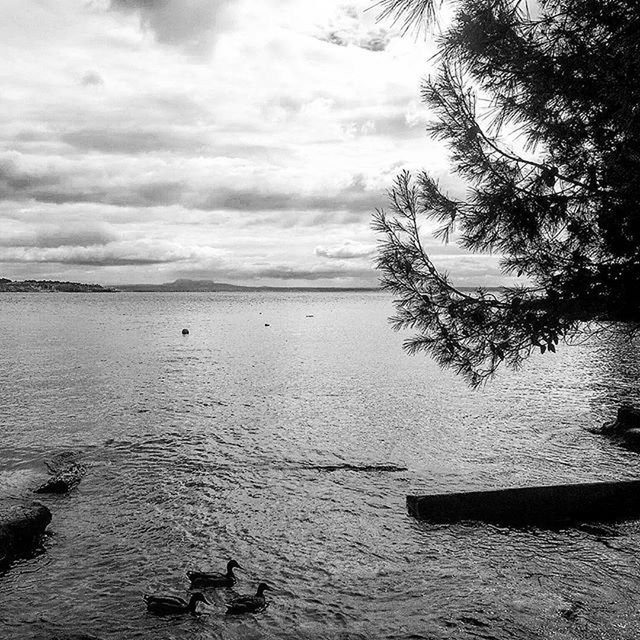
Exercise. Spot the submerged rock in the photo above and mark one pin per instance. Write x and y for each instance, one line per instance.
(346, 466)
(63, 481)
(21, 528)
(61, 461)
(73, 636)
(67, 473)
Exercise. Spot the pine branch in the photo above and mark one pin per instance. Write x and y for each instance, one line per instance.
(408, 14)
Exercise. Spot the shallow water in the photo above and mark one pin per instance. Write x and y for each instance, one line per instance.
(215, 445)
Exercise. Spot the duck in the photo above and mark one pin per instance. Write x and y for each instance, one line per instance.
(214, 580)
(170, 605)
(249, 604)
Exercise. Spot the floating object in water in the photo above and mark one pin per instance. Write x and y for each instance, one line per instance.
(249, 604)
(214, 580)
(171, 605)
(266, 325)
(185, 332)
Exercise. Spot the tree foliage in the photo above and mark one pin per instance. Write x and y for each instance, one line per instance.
(539, 104)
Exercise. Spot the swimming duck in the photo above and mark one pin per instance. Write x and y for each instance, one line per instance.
(249, 604)
(214, 580)
(169, 605)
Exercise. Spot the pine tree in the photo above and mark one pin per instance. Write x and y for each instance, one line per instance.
(539, 104)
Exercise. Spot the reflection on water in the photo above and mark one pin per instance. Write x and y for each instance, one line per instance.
(291, 448)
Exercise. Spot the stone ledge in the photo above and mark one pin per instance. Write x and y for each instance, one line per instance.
(543, 506)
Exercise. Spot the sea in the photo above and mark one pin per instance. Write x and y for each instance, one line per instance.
(285, 431)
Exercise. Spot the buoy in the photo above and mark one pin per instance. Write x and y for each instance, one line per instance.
(185, 332)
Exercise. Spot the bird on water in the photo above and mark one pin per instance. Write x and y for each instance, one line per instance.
(249, 604)
(214, 580)
(171, 605)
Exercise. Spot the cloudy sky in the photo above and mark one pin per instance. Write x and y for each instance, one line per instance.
(234, 140)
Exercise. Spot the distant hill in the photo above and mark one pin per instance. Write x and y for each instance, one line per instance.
(34, 286)
(211, 286)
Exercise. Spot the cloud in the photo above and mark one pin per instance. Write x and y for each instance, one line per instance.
(303, 219)
(349, 28)
(85, 234)
(16, 180)
(373, 41)
(287, 272)
(346, 251)
(91, 78)
(24, 177)
(128, 140)
(291, 274)
(132, 141)
(140, 252)
(391, 125)
(191, 24)
(262, 200)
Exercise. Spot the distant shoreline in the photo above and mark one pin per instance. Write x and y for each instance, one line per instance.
(178, 286)
(50, 286)
(150, 288)
(209, 286)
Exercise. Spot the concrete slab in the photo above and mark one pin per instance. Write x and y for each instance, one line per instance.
(546, 505)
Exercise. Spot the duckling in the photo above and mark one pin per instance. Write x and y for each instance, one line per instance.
(249, 604)
(170, 605)
(214, 580)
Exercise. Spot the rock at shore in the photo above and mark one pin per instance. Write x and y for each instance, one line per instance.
(21, 528)
(626, 426)
(628, 418)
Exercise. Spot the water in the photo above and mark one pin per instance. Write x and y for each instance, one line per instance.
(206, 447)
